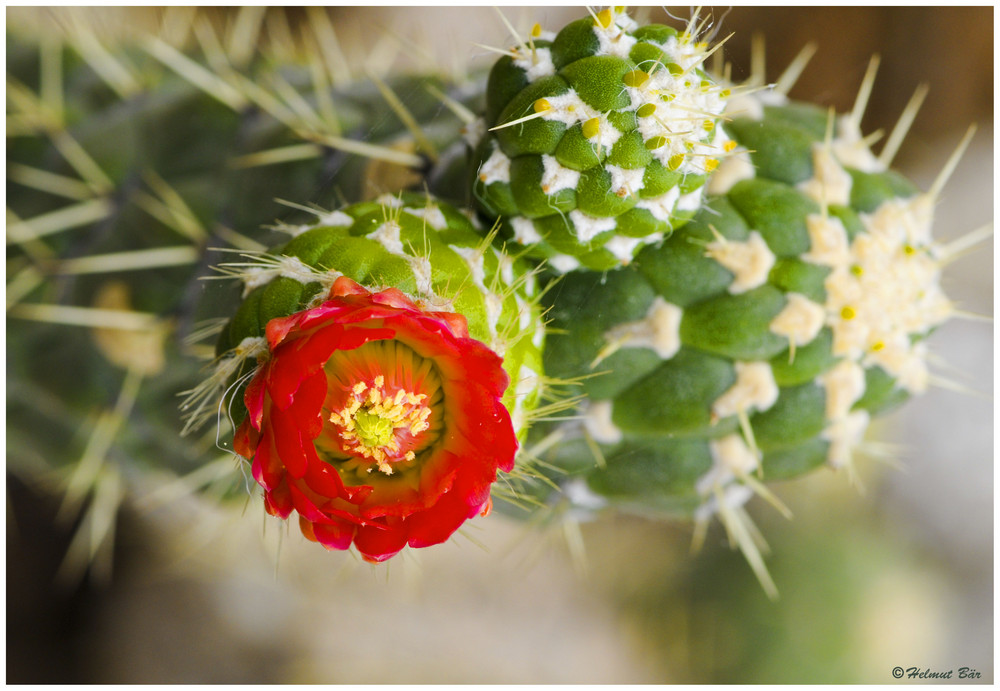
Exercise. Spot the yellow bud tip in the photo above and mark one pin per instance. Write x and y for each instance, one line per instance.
(725, 93)
(857, 270)
(591, 127)
(848, 312)
(536, 30)
(635, 78)
(909, 250)
(654, 143)
(604, 18)
(878, 346)
(541, 105)
(644, 111)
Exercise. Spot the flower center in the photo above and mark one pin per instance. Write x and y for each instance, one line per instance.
(383, 408)
(379, 425)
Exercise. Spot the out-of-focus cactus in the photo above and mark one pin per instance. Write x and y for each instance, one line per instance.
(599, 138)
(131, 161)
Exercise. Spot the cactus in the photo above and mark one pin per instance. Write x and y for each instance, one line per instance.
(599, 139)
(757, 341)
(722, 285)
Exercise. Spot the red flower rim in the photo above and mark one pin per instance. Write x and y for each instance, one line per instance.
(379, 423)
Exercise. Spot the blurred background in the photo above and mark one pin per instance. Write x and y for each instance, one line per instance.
(898, 573)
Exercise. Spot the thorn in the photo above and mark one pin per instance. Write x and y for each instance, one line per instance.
(307, 116)
(91, 317)
(82, 163)
(211, 47)
(176, 24)
(532, 116)
(960, 246)
(280, 36)
(295, 152)
(51, 87)
(460, 111)
(948, 384)
(758, 72)
(794, 70)
(185, 221)
(244, 35)
(43, 180)
(502, 51)
(321, 85)
(512, 30)
(22, 284)
(973, 316)
(58, 221)
(737, 526)
(406, 116)
(129, 261)
(336, 63)
(864, 92)
(942, 179)
(891, 147)
(194, 73)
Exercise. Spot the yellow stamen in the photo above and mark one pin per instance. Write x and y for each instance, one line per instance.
(369, 422)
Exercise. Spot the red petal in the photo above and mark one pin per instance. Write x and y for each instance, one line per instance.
(457, 323)
(278, 502)
(288, 443)
(324, 480)
(336, 535)
(306, 507)
(307, 407)
(266, 467)
(377, 544)
(394, 298)
(278, 328)
(245, 439)
(307, 529)
(346, 286)
(253, 397)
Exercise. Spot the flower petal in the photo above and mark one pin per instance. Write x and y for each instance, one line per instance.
(336, 535)
(377, 544)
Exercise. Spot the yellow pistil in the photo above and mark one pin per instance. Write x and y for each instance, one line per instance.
(371, 420)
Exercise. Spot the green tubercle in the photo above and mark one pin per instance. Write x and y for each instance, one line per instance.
(618, 126)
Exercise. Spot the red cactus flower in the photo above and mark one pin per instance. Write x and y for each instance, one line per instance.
(379, 423)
